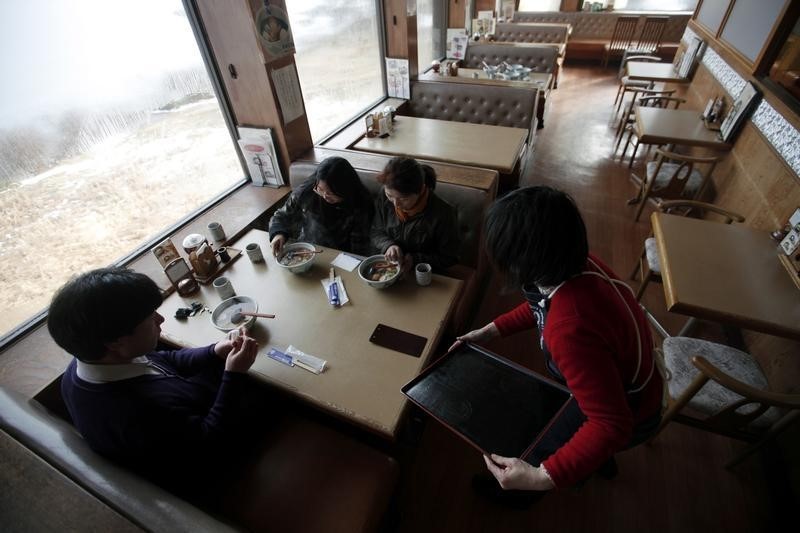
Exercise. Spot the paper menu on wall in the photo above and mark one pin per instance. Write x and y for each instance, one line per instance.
(287, 87)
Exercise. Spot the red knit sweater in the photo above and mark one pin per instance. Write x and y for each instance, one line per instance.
(592, 341)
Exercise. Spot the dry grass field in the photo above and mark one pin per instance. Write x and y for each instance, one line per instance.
(97, 207)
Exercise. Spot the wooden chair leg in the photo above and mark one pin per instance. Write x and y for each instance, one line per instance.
(625, 148)
(676, 406)
(776, 429)
(619, 92)
(642, 287)
(635, 148)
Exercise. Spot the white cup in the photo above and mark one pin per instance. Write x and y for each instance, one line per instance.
(254, 252)
(224, 288)
(423, 273)
(216, 231)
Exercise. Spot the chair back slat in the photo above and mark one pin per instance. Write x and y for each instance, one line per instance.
(624, 31)
(652, 31)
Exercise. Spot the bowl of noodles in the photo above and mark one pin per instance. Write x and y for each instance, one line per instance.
(379, 272)
(297, 257)
(223, 314)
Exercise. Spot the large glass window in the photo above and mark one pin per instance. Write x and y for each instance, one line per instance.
(338, 59)
(109, 133)
(430, 32)
(539, 5)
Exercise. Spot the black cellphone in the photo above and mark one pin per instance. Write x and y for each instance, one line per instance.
(398, 340)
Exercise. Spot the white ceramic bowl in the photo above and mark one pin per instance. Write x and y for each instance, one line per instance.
(364, 267)
(224, 311)
(294, 247)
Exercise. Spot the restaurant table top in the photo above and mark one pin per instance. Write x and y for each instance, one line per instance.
(728, 273)
(362, 381)
(479, 145)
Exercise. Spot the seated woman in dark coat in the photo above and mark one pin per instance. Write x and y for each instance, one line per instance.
(331, 208)
(412, 225)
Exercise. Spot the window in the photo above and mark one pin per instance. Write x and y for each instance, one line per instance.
(430, 27)
(109, 133)
(655, 5)
(539, 5)
(338, 59)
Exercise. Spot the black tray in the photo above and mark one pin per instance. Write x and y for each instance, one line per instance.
(494, 404)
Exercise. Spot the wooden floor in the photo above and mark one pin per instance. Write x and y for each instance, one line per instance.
(676, 484)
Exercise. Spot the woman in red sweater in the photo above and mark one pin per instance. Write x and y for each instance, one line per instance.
(593, 334)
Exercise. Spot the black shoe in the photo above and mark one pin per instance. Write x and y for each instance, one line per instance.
(487, 486)
(609, 469)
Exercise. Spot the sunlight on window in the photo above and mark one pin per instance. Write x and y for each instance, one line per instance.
(338, 59)
(106, 138)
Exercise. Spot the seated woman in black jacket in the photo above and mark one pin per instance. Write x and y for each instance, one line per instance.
(412, 225)
(331, 208)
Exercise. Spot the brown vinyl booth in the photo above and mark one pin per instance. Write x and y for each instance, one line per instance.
(276, 489)
(470, 201)
(530, 33)
(592, 30)
(538, 59)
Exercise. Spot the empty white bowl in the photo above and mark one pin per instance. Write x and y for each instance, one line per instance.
(291, 250)
(366, 264)
(223, 313)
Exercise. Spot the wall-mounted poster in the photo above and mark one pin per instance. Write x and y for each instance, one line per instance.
(397, 78)
(273, 29)
(744, 103)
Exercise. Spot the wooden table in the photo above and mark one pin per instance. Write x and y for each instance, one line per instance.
(362, 381)
(655, 72)
(538, 80)
(672, 126)
(479, 145)
(726, 273)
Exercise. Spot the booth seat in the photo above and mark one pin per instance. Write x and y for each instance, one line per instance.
(303, 477)
(592, 30)
(524, 33)
(471, 204)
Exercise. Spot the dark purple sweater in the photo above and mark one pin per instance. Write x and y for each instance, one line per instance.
(160, 426)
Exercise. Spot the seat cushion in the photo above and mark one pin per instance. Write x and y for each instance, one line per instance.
(651, 253)
(678, 353)
(627, 82)
(665, 174)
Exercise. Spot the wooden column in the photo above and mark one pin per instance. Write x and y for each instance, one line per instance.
(456, 12)
(401, 34)
(248, 77)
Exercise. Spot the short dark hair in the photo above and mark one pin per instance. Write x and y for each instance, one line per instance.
(407, 175)
(99, 307)
(536, 235)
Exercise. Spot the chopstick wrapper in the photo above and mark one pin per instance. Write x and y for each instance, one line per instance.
(326, 283)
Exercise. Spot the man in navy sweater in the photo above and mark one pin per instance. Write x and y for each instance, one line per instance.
(169, 415)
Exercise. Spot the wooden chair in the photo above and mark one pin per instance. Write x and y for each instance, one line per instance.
(628, 117)
(664, 102)
(627, 85)
(624, 31)
(726, 392)
(649, 263)
(673, 176)
(652, 31)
